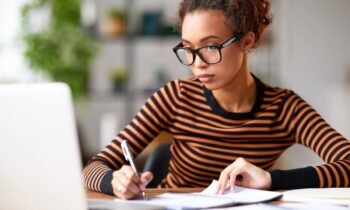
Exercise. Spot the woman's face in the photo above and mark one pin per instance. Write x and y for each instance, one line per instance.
(207, 27)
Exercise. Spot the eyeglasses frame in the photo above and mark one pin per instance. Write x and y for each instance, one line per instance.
(195, 52)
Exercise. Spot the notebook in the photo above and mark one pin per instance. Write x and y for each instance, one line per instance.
(40, 166)
(208, 198)
(340, 196)
(289, 206)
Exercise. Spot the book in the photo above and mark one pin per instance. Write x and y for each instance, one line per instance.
(208, 199)
(340, 196)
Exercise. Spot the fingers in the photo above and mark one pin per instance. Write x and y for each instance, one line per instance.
(130, 173)
(229, 175)
(222, 183)
(125, 183)
(146, 178)
(244, 174)
(232, 180)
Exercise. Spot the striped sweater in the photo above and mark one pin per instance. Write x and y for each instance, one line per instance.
(206, 138)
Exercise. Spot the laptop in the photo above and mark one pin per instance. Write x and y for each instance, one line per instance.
(40, 163)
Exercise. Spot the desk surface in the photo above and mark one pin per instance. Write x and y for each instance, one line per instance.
(102, 201)
(153, 191)
(149, 192)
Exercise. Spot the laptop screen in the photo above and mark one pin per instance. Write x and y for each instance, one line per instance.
(39, 153)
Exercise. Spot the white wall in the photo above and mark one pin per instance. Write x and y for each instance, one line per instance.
(313, 38)
(315, 51)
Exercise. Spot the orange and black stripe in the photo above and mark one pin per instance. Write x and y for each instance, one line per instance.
(206, 138)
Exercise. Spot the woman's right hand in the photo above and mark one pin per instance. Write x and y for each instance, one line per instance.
(127, 185)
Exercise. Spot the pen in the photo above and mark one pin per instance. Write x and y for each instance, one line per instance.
(129, 157)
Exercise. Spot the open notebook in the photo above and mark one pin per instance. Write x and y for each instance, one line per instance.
(208, 198)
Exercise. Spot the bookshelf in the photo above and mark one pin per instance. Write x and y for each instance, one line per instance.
(146, 55)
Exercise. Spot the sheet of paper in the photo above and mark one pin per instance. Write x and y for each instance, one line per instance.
(208, 198)
(243, 195)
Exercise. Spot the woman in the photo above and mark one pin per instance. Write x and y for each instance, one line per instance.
(226, 124)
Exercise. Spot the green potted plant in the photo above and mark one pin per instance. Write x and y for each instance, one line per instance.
(62, 49)
(119, 77)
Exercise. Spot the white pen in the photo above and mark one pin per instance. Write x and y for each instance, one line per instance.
(129, 157)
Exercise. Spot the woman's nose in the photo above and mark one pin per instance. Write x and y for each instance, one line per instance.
(199, 63)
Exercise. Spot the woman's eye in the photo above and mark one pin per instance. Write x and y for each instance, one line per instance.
(210, 48)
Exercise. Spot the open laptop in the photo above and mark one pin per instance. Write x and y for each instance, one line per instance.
(40, 164)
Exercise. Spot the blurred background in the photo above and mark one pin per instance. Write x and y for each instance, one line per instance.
(115, 53)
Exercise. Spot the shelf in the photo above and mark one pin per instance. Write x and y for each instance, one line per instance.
(135, 38)
(107, 96)
(110, 96)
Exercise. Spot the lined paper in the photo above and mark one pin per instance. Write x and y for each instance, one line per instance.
(208, 198)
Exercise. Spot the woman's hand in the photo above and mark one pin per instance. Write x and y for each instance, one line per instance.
(244, 174)
(127, 185)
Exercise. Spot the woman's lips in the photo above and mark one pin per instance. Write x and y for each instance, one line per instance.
(205, 78)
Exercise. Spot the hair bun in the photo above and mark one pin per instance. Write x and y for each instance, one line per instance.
(241, 15)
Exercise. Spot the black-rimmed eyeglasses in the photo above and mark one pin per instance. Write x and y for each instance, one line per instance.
(209, 54)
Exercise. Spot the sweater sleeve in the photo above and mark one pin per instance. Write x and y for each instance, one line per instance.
(155, 116)
(312, 131)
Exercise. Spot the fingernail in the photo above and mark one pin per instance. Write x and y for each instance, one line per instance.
(232, 189)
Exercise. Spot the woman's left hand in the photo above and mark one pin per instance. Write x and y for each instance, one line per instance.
(244, 174)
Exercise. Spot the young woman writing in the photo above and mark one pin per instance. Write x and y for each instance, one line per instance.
(226, 124)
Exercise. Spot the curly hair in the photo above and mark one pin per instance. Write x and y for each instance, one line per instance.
(241, 15)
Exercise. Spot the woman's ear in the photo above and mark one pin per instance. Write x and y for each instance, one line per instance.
(248, 41)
